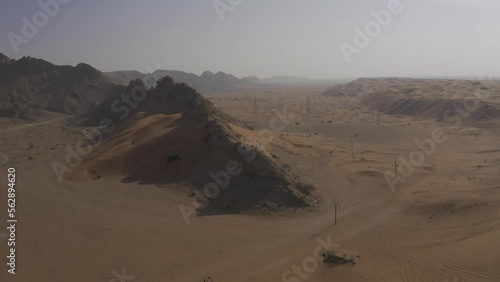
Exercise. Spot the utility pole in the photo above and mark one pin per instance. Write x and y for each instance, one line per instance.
(352, 148)
(335, 203)
(255, 105)
(335, 214)
(308, 106)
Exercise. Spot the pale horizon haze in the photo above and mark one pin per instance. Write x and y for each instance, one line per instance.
(264, 38)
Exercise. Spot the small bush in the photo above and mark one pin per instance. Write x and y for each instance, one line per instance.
(209, 278)
(305, 189)
(331, 258)
(173, 157)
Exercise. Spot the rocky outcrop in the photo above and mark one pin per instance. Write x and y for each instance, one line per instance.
(31, 83)
(175, 135)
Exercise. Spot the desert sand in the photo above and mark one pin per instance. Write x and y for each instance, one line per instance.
(442, 223)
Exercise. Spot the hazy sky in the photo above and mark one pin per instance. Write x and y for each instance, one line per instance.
(263, 37)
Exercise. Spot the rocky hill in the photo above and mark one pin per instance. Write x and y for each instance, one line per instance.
(440, 88)
(176, 135)
(30, 85)
(428, 107)
(427, 98)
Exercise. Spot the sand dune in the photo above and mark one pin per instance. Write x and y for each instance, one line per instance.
(438, 88)
(177, 135)
(429, 107)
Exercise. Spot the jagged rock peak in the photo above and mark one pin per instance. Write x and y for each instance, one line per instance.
(4, 59)
(164, 83)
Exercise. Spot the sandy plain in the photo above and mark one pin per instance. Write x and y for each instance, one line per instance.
(442, 223)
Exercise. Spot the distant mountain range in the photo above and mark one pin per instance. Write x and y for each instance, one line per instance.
(208, 82)
(174, 134)
(284, 79)
(30, 87)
